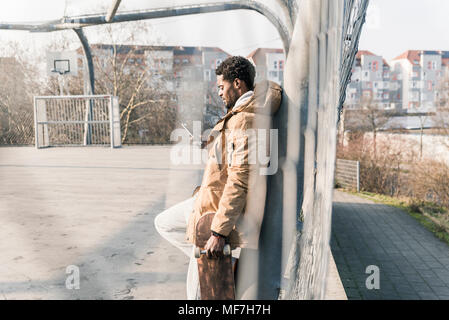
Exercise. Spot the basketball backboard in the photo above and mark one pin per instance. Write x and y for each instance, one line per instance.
(62, 63)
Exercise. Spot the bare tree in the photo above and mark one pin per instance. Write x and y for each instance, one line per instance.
(19, 82)
(140, 76)
(441, 118)
(370, 118)
(135, 73)
(422, 121)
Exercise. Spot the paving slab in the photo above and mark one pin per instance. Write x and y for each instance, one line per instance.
(413, 263)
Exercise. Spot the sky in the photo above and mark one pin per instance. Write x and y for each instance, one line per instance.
(395, 26)
(236, 32)
(392, 27)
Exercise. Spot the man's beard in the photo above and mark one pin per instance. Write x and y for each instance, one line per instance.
(231, 104)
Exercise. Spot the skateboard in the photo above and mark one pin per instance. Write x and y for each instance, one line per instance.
(215, 274)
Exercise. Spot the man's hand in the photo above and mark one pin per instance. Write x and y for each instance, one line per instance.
(214, 246)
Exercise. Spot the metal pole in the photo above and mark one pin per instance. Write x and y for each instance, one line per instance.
(112, 10)
(89, 84)
(111, 122)
(358, 176)
(36, 130)
(76, 23)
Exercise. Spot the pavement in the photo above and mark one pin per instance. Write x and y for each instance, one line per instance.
(90, 212)
(412, 263)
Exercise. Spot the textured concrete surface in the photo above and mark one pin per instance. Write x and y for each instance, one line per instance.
(413, 264)
(334, 286)
(92, 208)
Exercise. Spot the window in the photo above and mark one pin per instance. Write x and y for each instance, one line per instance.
(281, 64)
(367, 94)
(207, 75)
(217, 63)
(275, 65)
(432, 65)
(375, 66)
(429, 85)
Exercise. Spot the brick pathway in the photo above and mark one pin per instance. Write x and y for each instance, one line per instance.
(413, 263)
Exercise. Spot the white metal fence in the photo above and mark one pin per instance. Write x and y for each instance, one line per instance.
(347, 173)
(77, 121)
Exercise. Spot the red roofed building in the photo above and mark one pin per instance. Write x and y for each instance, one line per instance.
(370, 81)
(269, 64)
(420, 72)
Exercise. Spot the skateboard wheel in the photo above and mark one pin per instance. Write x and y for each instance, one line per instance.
(227, 250)
(197, 252)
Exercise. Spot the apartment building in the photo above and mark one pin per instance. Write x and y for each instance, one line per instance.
(420, 72)
(410, 83)
(269, 64)
(186, 72)
(370, 81)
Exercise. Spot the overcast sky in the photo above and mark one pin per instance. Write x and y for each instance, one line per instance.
(392, 27)
(395, 26)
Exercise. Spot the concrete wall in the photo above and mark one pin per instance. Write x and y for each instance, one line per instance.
(435, 147)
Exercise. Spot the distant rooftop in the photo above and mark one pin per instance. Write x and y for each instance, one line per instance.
(361, 53)
(264, 51)
(179, 50)
(414, 56)
(410, 123)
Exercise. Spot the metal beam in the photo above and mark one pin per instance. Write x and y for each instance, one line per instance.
(112, 10)
(90, 88)
(91, 20)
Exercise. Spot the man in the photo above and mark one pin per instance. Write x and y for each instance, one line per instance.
(233, 187)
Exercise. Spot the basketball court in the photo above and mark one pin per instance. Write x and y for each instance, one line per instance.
(92, 208)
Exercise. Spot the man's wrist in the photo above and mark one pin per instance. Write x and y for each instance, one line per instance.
(216, 234)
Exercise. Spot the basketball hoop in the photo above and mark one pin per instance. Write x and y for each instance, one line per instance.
(61, 66)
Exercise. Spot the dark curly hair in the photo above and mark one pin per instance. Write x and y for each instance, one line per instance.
(237, 67)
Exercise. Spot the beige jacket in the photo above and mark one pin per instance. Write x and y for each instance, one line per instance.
(233, 184)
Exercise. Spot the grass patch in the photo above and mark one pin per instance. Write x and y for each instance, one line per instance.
(433, 217)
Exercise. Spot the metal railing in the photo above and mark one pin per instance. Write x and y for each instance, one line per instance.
(76, 121)
(347, 174)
